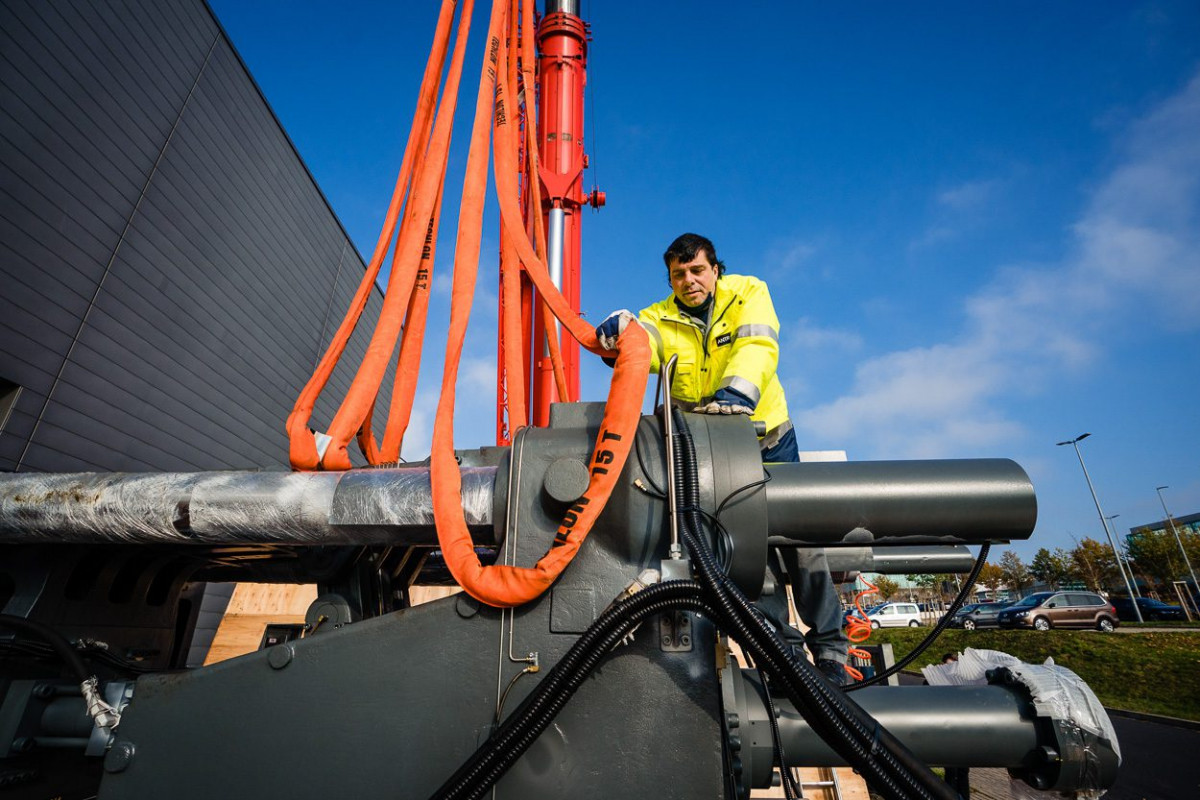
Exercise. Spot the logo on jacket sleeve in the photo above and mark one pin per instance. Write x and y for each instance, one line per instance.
(724, 339)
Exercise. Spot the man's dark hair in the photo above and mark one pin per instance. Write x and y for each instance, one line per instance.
(685, 248)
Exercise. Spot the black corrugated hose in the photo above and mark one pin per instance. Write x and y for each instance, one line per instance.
(884, 761)
(514, 736)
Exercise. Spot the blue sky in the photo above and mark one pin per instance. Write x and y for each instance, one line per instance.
(980, 222)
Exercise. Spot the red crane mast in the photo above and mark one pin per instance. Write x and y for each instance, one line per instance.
(562, 39)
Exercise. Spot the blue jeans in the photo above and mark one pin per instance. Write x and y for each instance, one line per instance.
(813, 591)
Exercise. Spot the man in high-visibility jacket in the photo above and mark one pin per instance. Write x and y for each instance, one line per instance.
(726, 334)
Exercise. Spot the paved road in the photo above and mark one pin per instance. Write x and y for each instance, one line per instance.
(1158, 762)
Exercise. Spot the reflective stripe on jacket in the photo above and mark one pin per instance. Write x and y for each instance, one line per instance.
(740, 349)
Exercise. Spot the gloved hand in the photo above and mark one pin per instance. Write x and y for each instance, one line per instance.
(722, 408)
(610, 330)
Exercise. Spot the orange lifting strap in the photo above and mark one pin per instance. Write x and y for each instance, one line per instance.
(406, 301)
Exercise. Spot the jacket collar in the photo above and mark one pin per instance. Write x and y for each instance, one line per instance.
(722, 297)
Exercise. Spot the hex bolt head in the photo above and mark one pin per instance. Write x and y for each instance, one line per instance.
(280, 655)
(119, 757)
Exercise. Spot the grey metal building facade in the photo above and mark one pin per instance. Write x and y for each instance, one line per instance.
(170, 273)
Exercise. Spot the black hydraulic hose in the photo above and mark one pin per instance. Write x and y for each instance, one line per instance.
(743, 622)
(942, 624)
(514, 736)
(51, 637)
(851, 731)
(514, 745)
(785, 773)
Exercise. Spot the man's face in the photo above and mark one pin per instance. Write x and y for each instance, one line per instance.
(693, 281)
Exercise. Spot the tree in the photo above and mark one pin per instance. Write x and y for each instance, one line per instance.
(1156, 555)
(932, 587)
(886, 586)
(1095, 564)
(1052, 569)
(1015, 573)
(990, 577)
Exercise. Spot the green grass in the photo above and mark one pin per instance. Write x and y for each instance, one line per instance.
(1153, 673)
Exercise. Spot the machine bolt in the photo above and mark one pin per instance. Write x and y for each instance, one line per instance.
(685, 641)
(119, 757)
(566, 480)
(466, 606)
(666, 641)
(280, 655)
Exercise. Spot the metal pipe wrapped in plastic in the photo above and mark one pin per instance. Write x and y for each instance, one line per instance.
(359, 507)
(900, 502)
(916, 560)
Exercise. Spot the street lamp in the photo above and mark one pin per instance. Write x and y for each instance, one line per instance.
(1128, 587)
(1178, 541)
(1128, 566)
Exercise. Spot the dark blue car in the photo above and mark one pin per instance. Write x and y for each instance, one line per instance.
(978, 615)
(1152, 610)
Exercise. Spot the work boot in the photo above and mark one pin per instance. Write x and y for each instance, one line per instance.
(834, 671)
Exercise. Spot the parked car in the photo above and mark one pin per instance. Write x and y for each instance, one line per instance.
(1045, 610)
(895, 615)
(978, 615)
(1155, 610)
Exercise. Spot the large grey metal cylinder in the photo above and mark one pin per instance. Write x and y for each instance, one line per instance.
(951, 726)
(894, 502)
(359, 507)
(1040, 722)
(916, 560)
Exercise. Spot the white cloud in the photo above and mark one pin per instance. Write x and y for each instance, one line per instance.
(957, 210)
(1134, 251)
(804, 334)
(968, 196)
(786, 258)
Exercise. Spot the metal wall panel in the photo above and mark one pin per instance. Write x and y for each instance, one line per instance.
(170, 270)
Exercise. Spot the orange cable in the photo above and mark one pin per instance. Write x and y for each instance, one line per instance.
(858, 628)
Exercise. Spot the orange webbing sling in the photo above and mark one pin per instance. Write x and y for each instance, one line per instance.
(363, 390)
(421, 178)
(510, 585)
(303, 448)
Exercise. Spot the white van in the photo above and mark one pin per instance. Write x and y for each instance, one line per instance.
(895, 615)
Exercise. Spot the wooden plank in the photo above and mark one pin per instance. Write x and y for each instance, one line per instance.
(252, 608)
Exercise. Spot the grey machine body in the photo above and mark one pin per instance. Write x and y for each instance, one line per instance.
(394, 702)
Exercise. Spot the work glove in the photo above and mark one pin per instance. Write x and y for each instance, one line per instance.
(716, 407)
(610, 330)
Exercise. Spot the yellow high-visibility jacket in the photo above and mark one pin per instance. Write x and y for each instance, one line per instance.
(740, 350)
